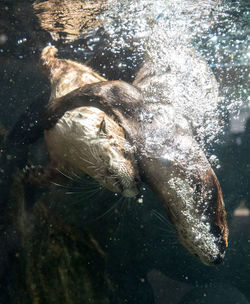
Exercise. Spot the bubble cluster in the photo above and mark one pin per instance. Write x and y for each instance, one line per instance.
(187, 42)
(194, 228)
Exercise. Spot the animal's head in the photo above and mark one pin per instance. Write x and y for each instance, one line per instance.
(194, 203)
(177, 170)
(87, 141)
(200, 216)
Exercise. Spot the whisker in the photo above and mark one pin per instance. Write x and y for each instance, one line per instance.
(160, 217)
(86, 160)
(104, 214)
(69, 187)
(76, 175)
(64, 174)
(87, 194)
(169, 229)
(59, 185)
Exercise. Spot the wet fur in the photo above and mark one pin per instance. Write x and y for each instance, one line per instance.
(85, 140)
(125, 103)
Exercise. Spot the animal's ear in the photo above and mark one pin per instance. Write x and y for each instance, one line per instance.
(102, 128)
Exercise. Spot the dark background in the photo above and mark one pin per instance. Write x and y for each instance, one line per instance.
(144, 257)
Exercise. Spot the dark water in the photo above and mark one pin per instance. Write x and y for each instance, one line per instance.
(142, 260)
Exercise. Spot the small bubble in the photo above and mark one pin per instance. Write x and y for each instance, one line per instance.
(3, 39)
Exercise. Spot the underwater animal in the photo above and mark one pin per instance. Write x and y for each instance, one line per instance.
(167, 157)
(86, 140)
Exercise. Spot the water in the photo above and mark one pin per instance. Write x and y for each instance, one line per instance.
(179, 35)
(186, 42)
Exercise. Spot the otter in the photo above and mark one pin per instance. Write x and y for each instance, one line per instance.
(169, 159)
(86, 140)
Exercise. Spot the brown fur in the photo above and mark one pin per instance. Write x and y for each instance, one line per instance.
(77, 141)
(218, 206)
(199, 218)
(65, 75)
